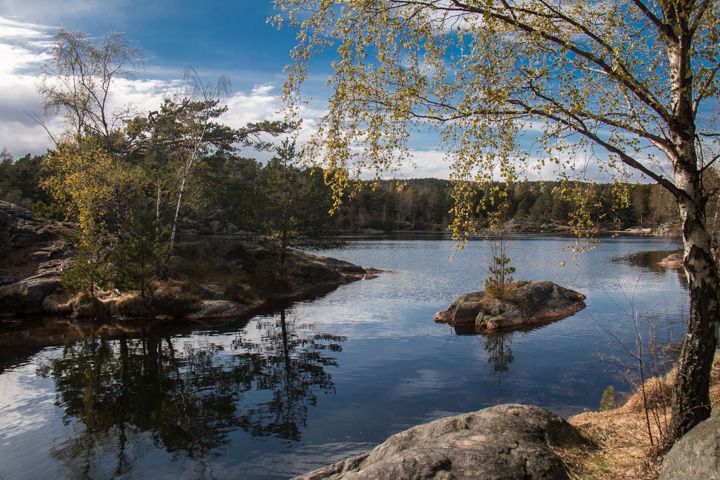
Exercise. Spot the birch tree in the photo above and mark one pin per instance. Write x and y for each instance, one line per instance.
(79, 80)
(620, 85)
(196, 127)
(173, 142)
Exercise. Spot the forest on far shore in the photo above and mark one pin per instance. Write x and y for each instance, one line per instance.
(230, 194)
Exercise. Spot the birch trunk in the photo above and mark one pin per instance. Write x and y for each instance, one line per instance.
(691, 397)
(186, 173)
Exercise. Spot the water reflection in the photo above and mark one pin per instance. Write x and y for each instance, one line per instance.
(292, 365)
(154, 405)
(125, 397)
(497, 345)
(650, 260)
(500, 356)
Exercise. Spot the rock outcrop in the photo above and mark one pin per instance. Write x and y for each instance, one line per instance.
(530, 303)
(209, 278)
(674, 260)
(505, 441)
(37, 289)
(697, 454)
(21, 224)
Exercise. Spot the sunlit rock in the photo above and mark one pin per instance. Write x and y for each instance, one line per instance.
(218, 309)
(696, 454)
(524, 304)
(505, 441)
(674, 260)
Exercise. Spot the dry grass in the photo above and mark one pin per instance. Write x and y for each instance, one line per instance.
(622, 444)
(12, 298)
(57, 304)
(508, 291)
(85, 306)
(174, 298)
(128, 305)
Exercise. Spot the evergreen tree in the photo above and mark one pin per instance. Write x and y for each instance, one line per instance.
(295, 202)
(90, 272)
(142, 252)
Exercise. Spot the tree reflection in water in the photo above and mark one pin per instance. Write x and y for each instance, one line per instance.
(292, 366)
(499, 352)
(497, 346)
(129, 396)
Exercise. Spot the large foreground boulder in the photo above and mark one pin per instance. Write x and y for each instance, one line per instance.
(697, 454)
(529, 303)
(503, 442)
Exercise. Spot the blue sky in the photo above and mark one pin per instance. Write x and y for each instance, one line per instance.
(216, 37)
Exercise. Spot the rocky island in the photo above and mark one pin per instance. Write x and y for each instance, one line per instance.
(524, 304)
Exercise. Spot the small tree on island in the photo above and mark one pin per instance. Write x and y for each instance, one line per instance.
(142, 253)
(500, 269)
(90, 272)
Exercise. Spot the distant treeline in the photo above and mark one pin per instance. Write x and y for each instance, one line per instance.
(232, 190)
(427, 203)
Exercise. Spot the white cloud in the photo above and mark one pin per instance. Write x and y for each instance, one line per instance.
(426, 164)
(24, 49)
(258, 105)
(262, 89)
(14, 30)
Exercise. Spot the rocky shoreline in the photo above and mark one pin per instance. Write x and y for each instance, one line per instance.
(211, 279)
(44, 294)
(525, 224)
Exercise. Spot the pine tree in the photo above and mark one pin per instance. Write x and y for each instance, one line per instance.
(142, 252)
(500, 269)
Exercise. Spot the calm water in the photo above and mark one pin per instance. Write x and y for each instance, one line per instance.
(280, 394)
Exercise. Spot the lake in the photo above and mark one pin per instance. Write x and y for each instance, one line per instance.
(282, 393)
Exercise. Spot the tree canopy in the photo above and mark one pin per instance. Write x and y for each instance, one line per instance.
(79, 80)
(621, 85)
(577, 75)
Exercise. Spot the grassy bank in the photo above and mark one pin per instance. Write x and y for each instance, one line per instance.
(622, 444)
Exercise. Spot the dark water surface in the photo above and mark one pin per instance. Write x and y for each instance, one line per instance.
(280, 394)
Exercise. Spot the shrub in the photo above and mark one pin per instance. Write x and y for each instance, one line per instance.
(607, 402)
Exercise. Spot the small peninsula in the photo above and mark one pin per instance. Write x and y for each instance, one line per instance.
(209, 278)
